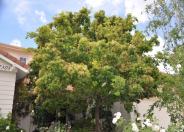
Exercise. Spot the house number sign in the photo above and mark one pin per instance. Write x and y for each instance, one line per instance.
(5, 67)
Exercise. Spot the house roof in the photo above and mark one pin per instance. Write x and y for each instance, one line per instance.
(4, 47)
(13, 59)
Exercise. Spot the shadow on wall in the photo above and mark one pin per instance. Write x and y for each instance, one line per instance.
(119, 107)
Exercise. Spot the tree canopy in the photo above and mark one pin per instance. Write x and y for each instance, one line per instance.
(87, 62)
(168, 16)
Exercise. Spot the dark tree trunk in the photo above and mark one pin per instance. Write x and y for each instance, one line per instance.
(97, 118)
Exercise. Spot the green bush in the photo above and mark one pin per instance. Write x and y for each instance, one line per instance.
(54, 127)
(7, 125)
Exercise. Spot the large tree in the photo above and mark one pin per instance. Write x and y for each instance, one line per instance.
(171, 85)
(167, 16)
(84, 62)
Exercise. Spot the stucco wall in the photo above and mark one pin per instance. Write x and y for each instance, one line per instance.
(161, 115)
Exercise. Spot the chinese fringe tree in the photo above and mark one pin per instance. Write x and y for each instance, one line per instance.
(83, 62)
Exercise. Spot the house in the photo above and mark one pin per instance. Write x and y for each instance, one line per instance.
(13, 67)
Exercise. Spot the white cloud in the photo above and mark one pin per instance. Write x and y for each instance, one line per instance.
(158, 48)
(21, 10)
(166, 68)
(112, 7)
(137, 9)
(116, 2)
(41, 15)
(16, 42)
(94, 3)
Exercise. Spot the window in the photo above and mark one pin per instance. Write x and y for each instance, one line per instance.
(23, 60)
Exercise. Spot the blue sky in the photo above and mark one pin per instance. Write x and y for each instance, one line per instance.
(17, 17)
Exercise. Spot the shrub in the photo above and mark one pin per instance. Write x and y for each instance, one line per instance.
(7, 125)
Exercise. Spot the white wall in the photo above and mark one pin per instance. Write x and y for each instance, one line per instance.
(7, 86)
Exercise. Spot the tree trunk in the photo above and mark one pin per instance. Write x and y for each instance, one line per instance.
(97, 118)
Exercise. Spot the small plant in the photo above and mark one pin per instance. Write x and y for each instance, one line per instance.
(176, 127)
(138, 126)
(54, 127)
(7, 125)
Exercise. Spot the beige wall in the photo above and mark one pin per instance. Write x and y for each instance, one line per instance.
(161, 114)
